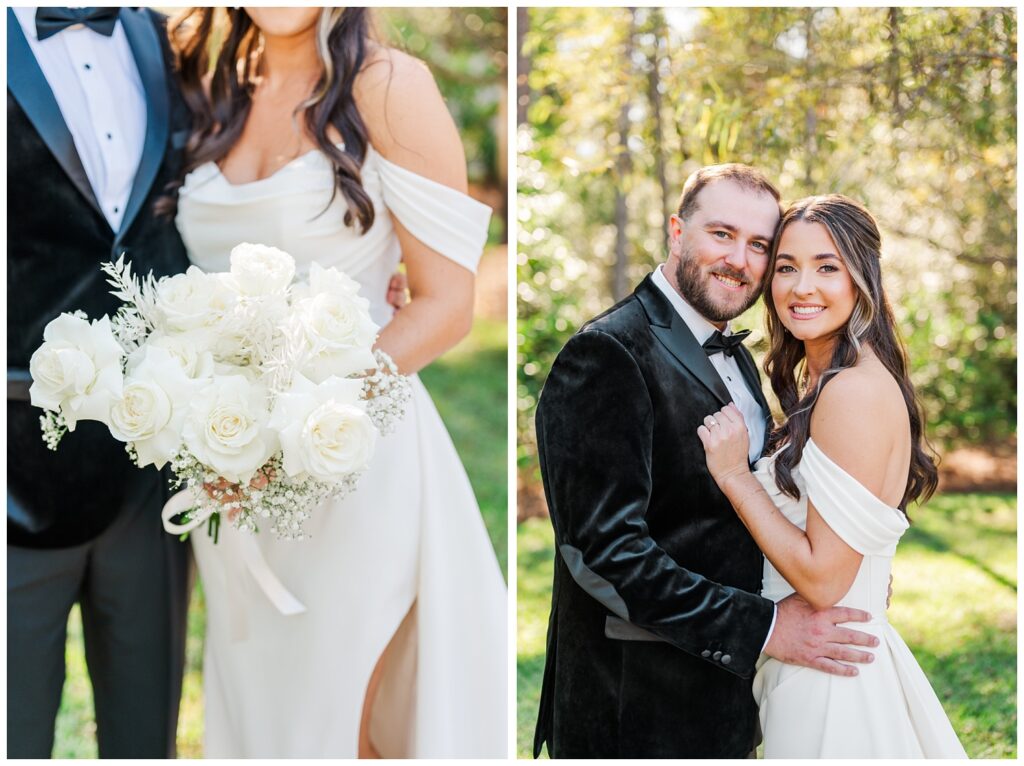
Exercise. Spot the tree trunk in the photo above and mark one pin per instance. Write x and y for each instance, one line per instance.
(623, 168)
(894, 59)
(654, 96)
(523, 64)
(811, 115)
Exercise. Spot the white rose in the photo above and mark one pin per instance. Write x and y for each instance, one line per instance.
(191, 350)
(335, 331)
(141, 412)
(260, 270)
(77, 370)
(330, 280)
(193, 300)
(151, 410)
(324, 429)
(226, 427)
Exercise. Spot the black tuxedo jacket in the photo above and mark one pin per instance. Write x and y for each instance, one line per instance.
(56, 239)
(655, 623)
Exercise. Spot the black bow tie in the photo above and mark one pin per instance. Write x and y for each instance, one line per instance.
(727, 344)
(50, 21)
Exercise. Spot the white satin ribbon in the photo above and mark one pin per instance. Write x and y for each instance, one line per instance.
(251, 554)
(279, 596)
(179, 503)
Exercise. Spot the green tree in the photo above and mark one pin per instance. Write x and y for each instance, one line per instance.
(910, 110)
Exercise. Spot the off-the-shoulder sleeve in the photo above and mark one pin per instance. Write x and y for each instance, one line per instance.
(864, 522)
(448, 221)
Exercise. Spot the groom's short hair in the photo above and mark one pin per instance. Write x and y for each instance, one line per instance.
(744, 175)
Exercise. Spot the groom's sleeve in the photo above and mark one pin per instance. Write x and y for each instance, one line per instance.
(595, 425)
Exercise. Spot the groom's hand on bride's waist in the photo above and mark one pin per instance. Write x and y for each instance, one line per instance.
(803, 636)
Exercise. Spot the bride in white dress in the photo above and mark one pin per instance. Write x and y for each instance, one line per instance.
(829, 506)
(383, 634)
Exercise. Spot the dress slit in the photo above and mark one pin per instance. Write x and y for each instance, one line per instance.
(392, 715)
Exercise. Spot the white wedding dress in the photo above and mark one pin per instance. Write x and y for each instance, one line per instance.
(889, 709)
(405, 556)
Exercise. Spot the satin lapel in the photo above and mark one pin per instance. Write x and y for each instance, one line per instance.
(148, 53)
(669, 328)
(27, 83)
(749, 371)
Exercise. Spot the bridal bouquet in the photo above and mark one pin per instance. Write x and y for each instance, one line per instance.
(263, 394)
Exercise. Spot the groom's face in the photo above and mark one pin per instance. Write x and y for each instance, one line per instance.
(718, 256)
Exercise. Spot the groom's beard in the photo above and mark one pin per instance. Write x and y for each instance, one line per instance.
(695, 286)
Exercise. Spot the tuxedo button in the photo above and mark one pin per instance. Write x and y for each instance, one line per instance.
(716, 656)
(726, 659)
(706, 653)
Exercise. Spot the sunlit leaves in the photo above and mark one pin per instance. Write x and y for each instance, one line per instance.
(910, 110)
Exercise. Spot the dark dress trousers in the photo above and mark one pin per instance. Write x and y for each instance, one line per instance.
(655, 623)
(83, 523)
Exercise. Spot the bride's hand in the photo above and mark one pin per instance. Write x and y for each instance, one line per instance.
(224, 491)
(726, 443)
(398, 291)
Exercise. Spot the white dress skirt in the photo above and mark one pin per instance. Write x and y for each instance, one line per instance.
(404, 557)
(888, 710)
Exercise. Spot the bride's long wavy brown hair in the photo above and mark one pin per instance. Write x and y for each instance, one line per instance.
(856, 236)
(343, 35)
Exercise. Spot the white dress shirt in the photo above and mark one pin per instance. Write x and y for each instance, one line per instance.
(96, 84)
(726, 366)
(729, 371)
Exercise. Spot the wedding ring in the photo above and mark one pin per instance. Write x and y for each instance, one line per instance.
(713, 422)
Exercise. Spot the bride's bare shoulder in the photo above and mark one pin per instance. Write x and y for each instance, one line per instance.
(860, 421)
(392, 67)
(864, 393)
(392, 91)
(406, 117)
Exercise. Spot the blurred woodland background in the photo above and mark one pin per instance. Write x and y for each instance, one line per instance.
(911, 111)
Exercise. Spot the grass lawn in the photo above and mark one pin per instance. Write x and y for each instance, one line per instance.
(955, 596)
(469, 387)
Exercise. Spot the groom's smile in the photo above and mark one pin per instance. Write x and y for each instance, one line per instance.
(734, 282)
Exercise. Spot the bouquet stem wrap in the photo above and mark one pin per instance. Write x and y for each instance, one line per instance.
(273, 589)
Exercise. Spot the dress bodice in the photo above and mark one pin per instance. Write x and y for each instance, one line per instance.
(864, 522)
(293, 210)
(888, 710)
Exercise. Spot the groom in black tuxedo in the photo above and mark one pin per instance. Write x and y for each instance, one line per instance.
(95, 128)
(656, 624)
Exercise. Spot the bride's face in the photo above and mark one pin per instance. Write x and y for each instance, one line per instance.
(284, 22)
(812, 289)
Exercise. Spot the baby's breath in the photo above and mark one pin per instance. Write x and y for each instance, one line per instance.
(387, 393)
(54, 428)
(282, 506)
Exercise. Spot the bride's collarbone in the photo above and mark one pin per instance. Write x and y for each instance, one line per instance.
(264, 148)
(256, 161)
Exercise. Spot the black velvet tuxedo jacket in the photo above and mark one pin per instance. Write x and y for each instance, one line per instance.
(655, 623)
(57, 237)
